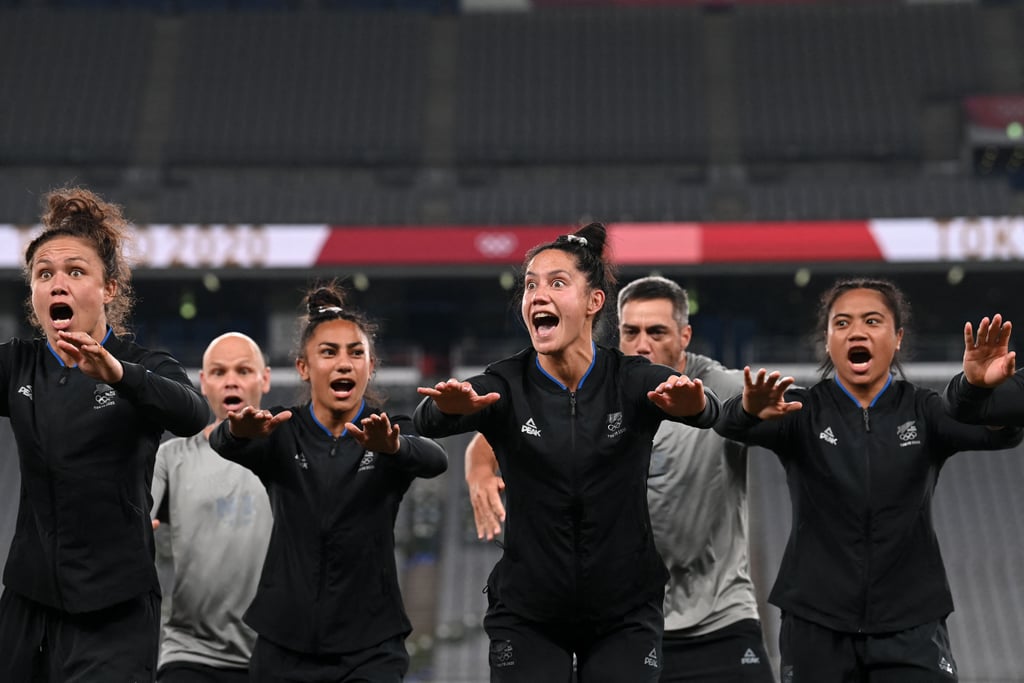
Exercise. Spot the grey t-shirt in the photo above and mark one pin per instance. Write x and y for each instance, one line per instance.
(697, 495)
(220, 522)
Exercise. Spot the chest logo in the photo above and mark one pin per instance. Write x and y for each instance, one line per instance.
(907, 433)
(615, 427)
(946, 667)
(26, 391)
(530, 427)
(300, 458)
(368, 461)
(829, 437)
(104, 396)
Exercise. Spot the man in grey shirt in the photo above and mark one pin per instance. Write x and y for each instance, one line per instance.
(697, 496)
(219, 522)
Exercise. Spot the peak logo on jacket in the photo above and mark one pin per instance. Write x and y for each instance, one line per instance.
(26, 391)
(104, 395)
(530, 427)
(907, 433)
(828, 436)
(615, 427)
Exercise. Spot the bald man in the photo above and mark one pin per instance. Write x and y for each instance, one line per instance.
(219, 521)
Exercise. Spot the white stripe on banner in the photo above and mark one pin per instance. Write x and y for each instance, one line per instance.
(200, 246)
(957, 239)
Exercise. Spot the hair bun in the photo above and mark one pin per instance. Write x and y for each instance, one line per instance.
(594, 236)
(324, 302)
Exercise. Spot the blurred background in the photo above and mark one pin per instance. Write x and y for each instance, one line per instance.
(754, 150)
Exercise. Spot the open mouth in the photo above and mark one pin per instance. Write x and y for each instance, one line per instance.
(544, 322)
(61, 315)
(233, 403)
(859, 358)
(342, 385)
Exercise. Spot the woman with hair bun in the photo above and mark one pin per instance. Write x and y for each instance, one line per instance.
(328, 605)
(572, 424)
(88, 408)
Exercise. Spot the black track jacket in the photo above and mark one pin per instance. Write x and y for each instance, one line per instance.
(862, 555)
(578, 542)
(84, 539)
(1003, 405)
(329, 581)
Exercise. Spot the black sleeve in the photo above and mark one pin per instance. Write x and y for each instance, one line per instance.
(162, 392)
(737, 424)
(254, 454)
(1003, 405)
(955, 436)
(417, 455)
(645, 377)
(431, 422)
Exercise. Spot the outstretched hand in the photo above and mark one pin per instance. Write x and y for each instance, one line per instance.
(252, 423)
(987, 358)
(458, 398)
(764, 395)
(485, 489)
(679, 396)
(376, 433)
(89, 355)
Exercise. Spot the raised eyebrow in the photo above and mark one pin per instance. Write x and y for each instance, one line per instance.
(69, 259)
(551, 273)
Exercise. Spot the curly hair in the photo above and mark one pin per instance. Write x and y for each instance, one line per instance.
(77, 212)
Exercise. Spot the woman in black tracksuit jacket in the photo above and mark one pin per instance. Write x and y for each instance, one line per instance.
(571, 424)
(88, 408)
(862, 587)
(328, 604)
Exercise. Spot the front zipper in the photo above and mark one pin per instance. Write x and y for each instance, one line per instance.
(867, 525)
(576, 511)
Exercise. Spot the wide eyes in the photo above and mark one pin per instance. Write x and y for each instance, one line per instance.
(556, 284)
(47, 274)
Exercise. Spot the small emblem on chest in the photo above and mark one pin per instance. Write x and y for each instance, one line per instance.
(907, 433)
(104, 396)
(368, 461)
(615, 427)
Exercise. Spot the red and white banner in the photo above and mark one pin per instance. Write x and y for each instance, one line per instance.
(190, 247)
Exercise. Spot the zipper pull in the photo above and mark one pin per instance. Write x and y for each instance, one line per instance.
(867, 420)
(64, 374)
(572, 403)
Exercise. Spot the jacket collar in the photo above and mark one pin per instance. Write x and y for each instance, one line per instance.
(856, 402)
(107, 337)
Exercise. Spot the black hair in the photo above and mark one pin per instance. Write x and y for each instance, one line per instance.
(586, 246)
(324, 302)
(657, 287)
(895, 300)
